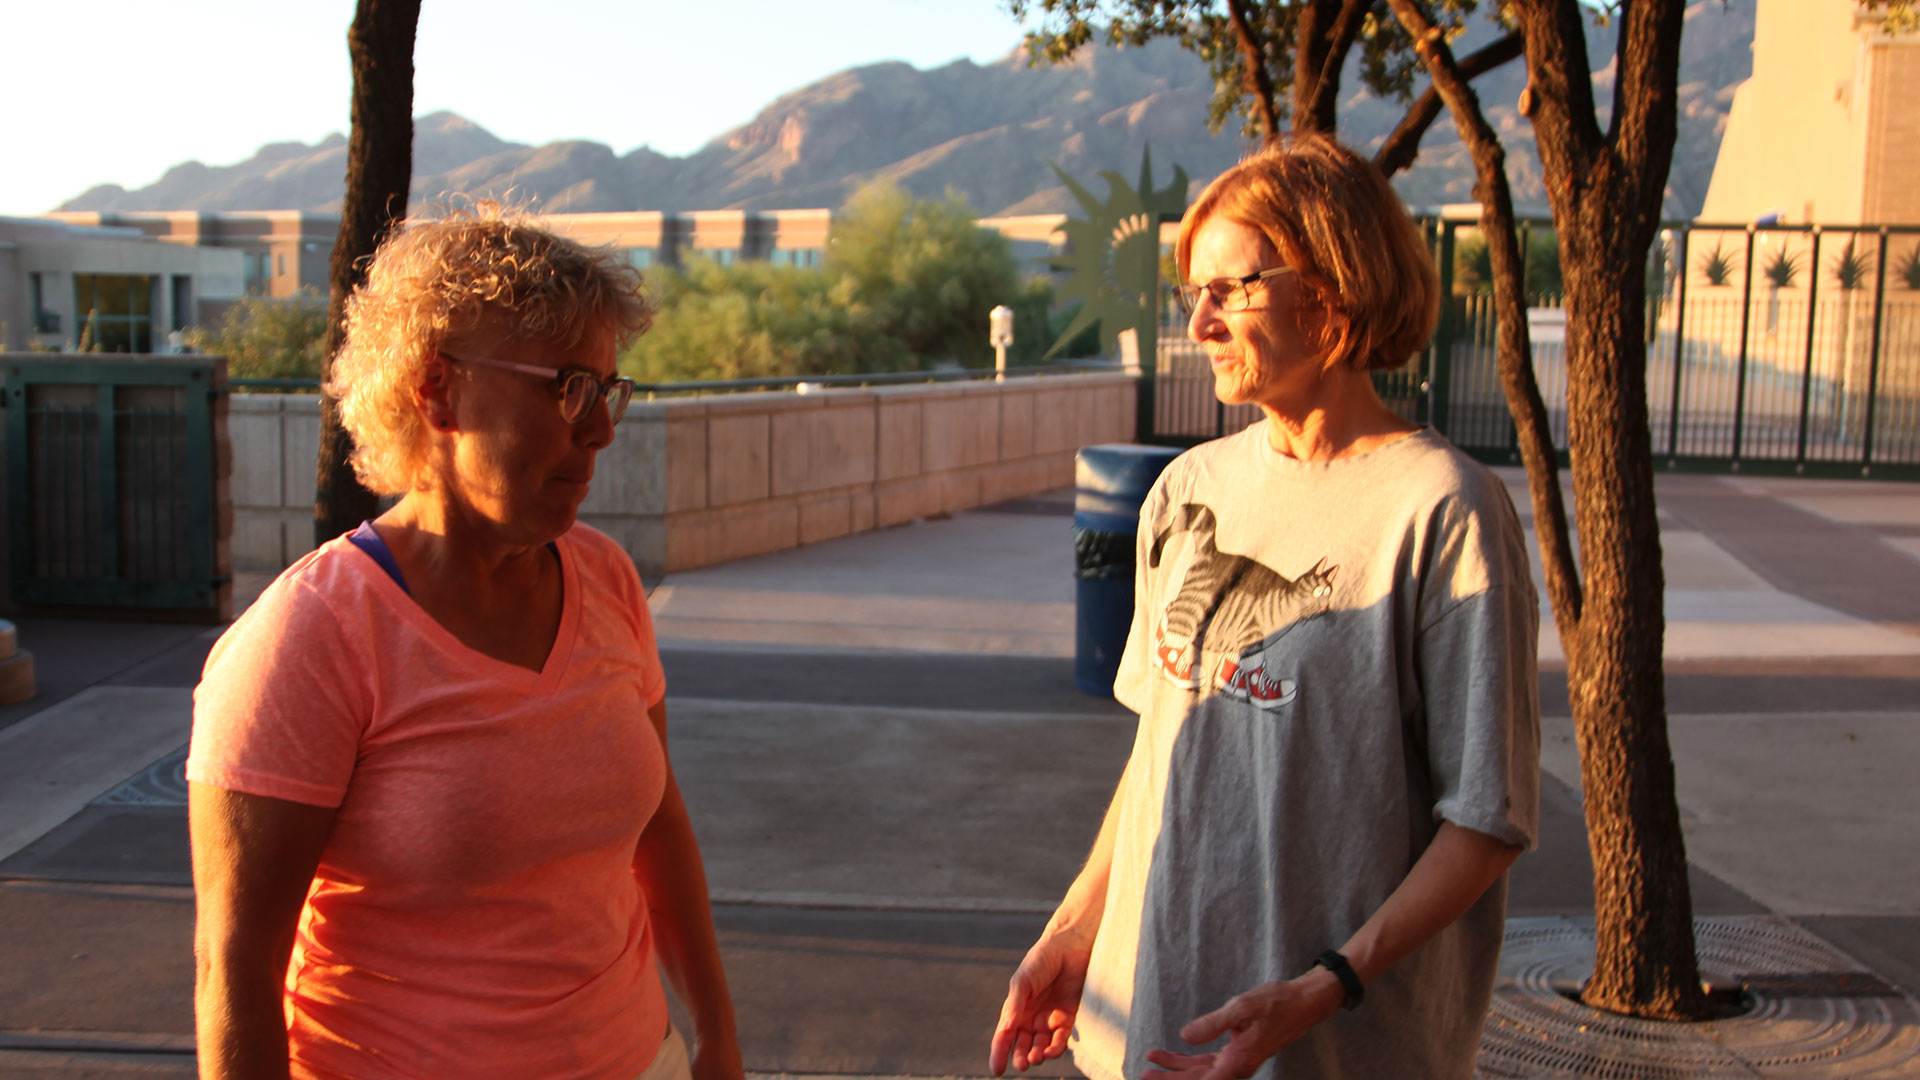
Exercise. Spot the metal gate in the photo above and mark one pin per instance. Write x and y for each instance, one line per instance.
(111, 482)
(1772, 349)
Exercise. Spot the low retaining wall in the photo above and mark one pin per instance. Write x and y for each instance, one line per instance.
(693, 481)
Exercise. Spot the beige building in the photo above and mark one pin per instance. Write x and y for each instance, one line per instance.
(283, 251)
(651, 238)
(278, 253)
(1827, 129)
(118, 287)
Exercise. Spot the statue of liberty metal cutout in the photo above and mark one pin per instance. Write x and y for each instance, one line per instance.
(1113, 260)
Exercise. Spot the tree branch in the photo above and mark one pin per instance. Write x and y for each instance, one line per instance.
(1534, 432)
(1256, 79)
(1323, 94)
(1403, 145)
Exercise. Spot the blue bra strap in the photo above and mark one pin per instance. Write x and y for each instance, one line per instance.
(367, 540)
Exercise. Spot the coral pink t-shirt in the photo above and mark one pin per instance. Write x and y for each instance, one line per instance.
(475, 911)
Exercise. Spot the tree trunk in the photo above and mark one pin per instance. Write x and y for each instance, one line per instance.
(1514, 349)
(379, 172)
(1606, 191)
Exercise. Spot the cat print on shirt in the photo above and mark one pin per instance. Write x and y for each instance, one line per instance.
(1231, 609)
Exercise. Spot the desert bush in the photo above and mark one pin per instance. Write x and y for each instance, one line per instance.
(906, 285)
(267, 338)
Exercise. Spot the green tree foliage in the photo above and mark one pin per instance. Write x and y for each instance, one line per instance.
(267, 338)
(750, 320)
(925, 270)
(906, 286)
(1473, 266)
(1270, 97)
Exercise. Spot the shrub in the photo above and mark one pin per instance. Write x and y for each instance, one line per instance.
(907, 285)
(267, 338)
(752, 320)
(1473, 266)
(1909, 268)
(925, 270)
(1717, 266)
(1781, 269)
(1850, 268)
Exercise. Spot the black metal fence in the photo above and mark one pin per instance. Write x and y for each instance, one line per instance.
(1777, 349)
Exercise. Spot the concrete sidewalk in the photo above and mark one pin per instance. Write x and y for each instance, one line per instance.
(894, 781)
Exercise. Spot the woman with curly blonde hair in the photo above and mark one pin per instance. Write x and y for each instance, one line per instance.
(435, 830)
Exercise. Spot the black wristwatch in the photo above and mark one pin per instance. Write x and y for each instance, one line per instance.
(1343, 971)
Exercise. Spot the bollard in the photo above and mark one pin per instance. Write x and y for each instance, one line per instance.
(1110, 482)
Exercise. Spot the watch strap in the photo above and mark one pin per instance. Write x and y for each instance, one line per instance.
(1334, 962)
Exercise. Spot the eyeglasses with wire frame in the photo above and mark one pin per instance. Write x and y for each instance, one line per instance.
(1230, 293)
(577, 389)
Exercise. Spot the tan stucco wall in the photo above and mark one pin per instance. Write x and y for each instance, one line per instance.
(695, 481)
(1828, 127)
(1892, 179)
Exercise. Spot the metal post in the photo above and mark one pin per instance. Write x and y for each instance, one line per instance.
(1000, 335)
(1440, 372)
(1679, 343)
(107, 475)
(1873, 356)
(1746, 320)
(1813, 322)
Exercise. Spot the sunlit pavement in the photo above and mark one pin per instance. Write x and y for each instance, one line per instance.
(893, 778)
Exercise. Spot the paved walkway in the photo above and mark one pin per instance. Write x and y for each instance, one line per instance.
(894, 780)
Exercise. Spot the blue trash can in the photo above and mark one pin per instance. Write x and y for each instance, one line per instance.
(1110, 483)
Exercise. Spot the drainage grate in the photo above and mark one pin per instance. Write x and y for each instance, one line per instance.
(163, 783)
(1819, 984)
(1814, 1012)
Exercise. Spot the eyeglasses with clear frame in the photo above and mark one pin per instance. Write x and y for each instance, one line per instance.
(577, 389)
(1230, 293)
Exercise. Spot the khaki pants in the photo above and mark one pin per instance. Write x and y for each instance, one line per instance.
(671, 1062)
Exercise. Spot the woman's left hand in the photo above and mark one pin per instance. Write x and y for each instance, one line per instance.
(1259, 1024)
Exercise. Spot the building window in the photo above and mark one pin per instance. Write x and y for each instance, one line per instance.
(282, 268)
(719, 256)
(639, 258)
(44, 321)
(254, 268)
(805, 258)
(118, 308)
(182, 301)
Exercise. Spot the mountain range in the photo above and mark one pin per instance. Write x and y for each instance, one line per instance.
(990, 132)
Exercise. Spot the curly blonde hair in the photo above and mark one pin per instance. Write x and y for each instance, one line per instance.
(479, 270)
(1355, 252)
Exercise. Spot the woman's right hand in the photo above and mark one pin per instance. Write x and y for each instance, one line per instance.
(1043, 997)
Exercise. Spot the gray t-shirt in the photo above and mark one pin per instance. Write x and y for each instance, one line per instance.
(1328, 659)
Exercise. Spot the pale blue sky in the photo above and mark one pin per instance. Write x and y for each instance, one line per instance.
(115, 91)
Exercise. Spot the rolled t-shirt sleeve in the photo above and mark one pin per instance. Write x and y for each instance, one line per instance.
(1475, 659)
(282, 703)
(1480, 692)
